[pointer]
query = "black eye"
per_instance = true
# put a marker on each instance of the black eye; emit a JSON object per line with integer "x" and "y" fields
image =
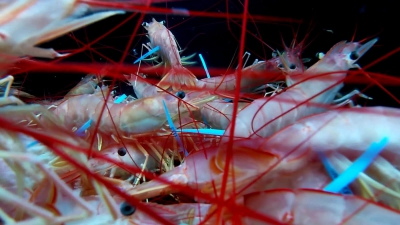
{"x": 280, "y": 66}
{"x": 292, "y": 67}
{"x": 354, "y": 55}
{"x": 180, "y": 94}
{"x": 127, "y": 209}
{"x": 121, "y": 151}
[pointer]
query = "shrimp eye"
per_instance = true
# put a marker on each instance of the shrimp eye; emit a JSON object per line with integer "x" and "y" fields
{"x": 354, "y": 55}
{"x": 280, "y": 65}
{"x": 180, "y": 94}
{"x": 121, "y": 151}
{"x": 127, "y": 209}
{"x": 292, "y": 67}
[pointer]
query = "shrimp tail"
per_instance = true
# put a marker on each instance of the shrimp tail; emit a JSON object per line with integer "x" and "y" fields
{"x": 178, "y": 78}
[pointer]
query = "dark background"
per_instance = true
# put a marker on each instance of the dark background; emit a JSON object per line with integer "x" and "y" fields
{"x": 217, "y": 40}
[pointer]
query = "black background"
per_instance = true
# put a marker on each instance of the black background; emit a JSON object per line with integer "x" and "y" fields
{"x": 217, "y": 42}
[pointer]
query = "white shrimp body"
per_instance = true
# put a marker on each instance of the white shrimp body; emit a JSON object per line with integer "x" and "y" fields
{"x": 265, "y": 116}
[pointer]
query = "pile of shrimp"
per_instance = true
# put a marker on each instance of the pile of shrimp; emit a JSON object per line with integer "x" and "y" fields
{"x": 249, "y": 147}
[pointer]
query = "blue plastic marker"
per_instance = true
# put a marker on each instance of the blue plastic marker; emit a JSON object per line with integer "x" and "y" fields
{"x": 205, "y": 131}
{"x": 332, "y": 173}
{"x": 204, "y": 65}
{"x": 357, "y": 167}
{"x": 81, "y": 130}
{"x": 4, "y": 89}
{"x": 147, "y": 54}
{"x": 120, "y": 99}
{"x": 171, "y": 124}
{"x": 32, "y": 144}
{"x": 228, "y": 100}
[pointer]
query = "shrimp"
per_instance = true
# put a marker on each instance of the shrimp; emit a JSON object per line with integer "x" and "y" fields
{"x": 263, "y": 117}
{"x": 136, "y": 117}
{"x": 87, "y": 85}
{"x": 252, "y": 76}
{"x": 343, "y": 135}
{"x": 31, "y": 176}
{"x": 260, "y": 72}
{"x": 178, "y": 77}
{"x": 308, "y": 207}
{"x": 25, "y": 24}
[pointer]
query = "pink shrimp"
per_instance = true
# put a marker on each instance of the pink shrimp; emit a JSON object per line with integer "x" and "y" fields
{"x": 257, "y": 162}
{"x": 265, "y": 116}
{"x": 25, "y": 24}
{"x": 129, "y": 154}
{"x": 178, "y": 77}
{"x": 87, "y": 85}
